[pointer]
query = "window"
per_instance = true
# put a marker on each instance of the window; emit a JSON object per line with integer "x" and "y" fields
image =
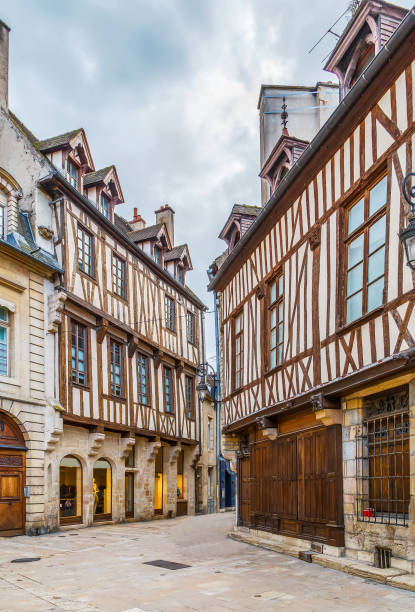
{"x": 238, "y": 349}
{"x": 142, "y": 379}
{"x": 119, "y": 285}
{"x": 85, "y": 251}
{"x": 157, "y": 255}
{"x": 190, "y": 395}
{"x": 104, "y": 205}
{"x": 79, "y": 353}
{"x": 210, "y": 482}
{"x": 102, "y": 488}
{"x": 276, "y": 322}
{"x": 116, "y": 372}
{"x": 180, "y": 275}
{"x": 169, "y": 312}
{"x": 3, "y": 215}
{"x": 365, "y": 252}
{"x": 72, "y": 173}
{"x": 191, "y": 328}
{"x": 210, "y": 433}
{"x": 4, "y": 341}
{"x": 180, "y": 474}
{"x": 383, "y": 459}
{"x": 70, "y": 490}
{"x": 168, "y": 390}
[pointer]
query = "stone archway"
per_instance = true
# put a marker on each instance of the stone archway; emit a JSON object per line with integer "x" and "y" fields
{"x": 12, "y": 478}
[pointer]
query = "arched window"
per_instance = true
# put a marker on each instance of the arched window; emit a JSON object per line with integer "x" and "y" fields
{"x": 3, "y": 214}
{"x": 70, "y": 490}
{"x": 102, "y": 489}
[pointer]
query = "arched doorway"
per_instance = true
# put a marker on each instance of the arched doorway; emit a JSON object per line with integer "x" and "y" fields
{"x": 70, "y": 490}
{"x": 102, "y": 488}
{"x": 12, "y": 478}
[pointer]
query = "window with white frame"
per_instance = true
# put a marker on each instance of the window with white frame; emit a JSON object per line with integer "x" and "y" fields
{"x": 169, "y": 312}
{"x": 3, "y": 215}
{"x": 104, "y": 207}
{"x": 4, "y": 341}
{"x": 72, "y": 173}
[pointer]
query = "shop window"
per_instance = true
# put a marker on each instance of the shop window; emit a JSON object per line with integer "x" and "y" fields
{"x": 383, "y": 459}
{"x": 365, "y": 251}
{"x": 180, "y": 475}
{"x": 129, "y": 494}
{"x": 79, "y": 336}
{"x": 70, "y": 490}
{"x": 4, "y": 341}
{"x": 158, "y": 482}
{"x": 276, "y": 322}
{"x": 85, "y": 242}
{"x": 102, "y": 489}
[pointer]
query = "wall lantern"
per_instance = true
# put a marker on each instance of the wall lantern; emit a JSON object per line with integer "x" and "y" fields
{"x": 202, "y": 389}
{"x": 407, "y": 235}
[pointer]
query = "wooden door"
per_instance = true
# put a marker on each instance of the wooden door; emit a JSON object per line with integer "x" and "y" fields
{"x": 12, "y": 478}
{"x": 244, "y": 493}
{"x": 284, "y": 477}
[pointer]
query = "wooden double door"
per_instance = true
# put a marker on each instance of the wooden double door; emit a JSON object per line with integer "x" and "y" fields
{"x": 12, "y": 478}
{"x": 293, "y": 486}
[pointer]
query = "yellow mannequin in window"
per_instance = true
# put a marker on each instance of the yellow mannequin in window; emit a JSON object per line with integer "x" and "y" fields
{"x": 96, "y": 491}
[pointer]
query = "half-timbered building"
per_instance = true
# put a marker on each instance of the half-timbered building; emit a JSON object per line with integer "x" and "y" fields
{"x": 121, "y": 355}
{"x": 317, "y": 318}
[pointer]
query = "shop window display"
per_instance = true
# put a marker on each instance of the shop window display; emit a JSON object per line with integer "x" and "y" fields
{"x": 102, "y": 489}
{"x": 158, "y": 483}
{"x": 70, "y": 490}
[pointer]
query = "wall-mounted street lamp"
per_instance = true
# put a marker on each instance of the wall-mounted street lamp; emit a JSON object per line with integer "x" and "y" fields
{"x": 407, "y": 235}
{"x": 202, "y": 388}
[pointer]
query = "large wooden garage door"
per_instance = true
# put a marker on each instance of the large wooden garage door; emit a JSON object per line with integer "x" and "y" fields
{"x": 296, "y": 486}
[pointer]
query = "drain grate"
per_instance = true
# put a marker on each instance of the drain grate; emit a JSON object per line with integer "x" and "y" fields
{"x": 25, "y": 560}
{"x": 171, "y": 565}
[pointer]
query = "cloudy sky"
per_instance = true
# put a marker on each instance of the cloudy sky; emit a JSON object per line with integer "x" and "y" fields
{"x": 166, "y": 90}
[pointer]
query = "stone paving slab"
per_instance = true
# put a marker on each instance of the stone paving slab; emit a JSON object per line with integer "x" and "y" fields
{"x": 101, "y": 570}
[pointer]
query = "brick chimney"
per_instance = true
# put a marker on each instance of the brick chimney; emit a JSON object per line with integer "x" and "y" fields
{"x": 165, "y": 215}
{"x": 137, "y": 222}
{"x": 4, "y": 65}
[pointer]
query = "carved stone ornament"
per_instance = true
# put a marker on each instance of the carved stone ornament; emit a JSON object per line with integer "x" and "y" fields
{"x": 46, "y": 232}
{"x": 126, "y": 444}
{"x": 96, "y": 440}
{"x": 56, "y": 303}
{"x": 260, "y": 291}
{"x": 393, "y": 400}
{"x": 319, "y": 402}
{"x": 314, "y": 238}
{"x": 153, "y": 449}
{"x": 174, "y": 454}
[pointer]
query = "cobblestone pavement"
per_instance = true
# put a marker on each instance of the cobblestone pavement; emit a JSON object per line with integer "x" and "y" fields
{"x": 102, "y": 569}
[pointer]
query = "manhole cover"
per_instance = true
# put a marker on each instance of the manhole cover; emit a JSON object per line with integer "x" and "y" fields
{"x": 25, "y": 560}
{"x": 171, "y": 565}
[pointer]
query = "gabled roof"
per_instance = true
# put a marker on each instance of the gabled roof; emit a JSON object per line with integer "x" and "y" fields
{"x": 179, "y": 252}
{"x": 147, "y": 233}
{"x": 240, "y": 211}
{"x": 283, "y": 141}
{"x": 105, "y": 175}
{"x": 57, "y": 141}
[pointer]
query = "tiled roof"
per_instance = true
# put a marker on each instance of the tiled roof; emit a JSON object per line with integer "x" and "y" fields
{"x": 92, "y": 178}
{"x": 57, "y": 141}
{"x": 147, "y": 233}
{"x": 24, "y": 241}
{"x": 175, "y": 253}
{"x": 122, "y": 224}
{"x": 245, "y": 209}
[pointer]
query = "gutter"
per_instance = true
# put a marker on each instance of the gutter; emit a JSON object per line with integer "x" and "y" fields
{"x": 55, "y": 174}
{"x": 379, "y": 61}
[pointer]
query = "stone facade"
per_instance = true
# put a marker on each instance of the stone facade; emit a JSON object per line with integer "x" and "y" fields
{"x": 206, "y": 473}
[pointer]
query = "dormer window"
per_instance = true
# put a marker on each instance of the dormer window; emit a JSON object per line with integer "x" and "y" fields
{"x": 104, "y": 205}
{"x": 72, "y": 173}
{"x": 157, "y": 253}
{"x": 180, "y": 275}
{"x": 363, "y": 63}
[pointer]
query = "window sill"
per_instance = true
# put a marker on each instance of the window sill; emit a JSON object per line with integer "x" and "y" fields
{"x": 119, "y": 297}
{"x": 80, "y": 386}
{"x": 87, "y": 276}
{"x": 343, "y": 329}
{"x": 10, "y": 380}
{"x": 274, "y": 370}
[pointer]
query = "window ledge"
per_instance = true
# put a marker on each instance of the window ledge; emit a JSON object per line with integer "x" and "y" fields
{"x": 88, "y": 276}
{"x": 10, "y": 380}
{"x": 274, "y": 370}
{"x": 343, "y": 329}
